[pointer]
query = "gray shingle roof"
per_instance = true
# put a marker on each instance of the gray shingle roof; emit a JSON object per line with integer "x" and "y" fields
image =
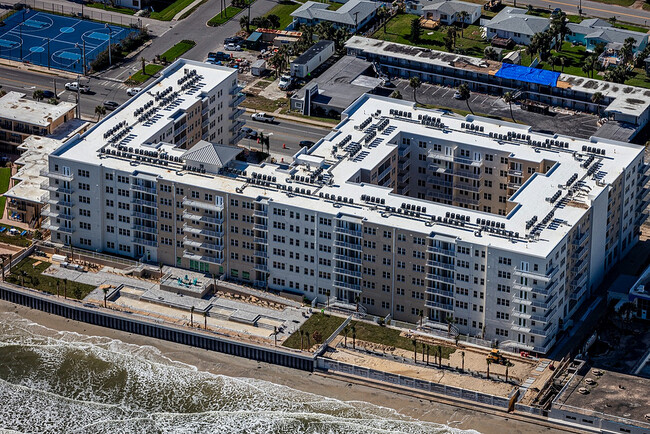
{"x": 451, "y": 7}
{"x": 312, "y": 52}
{"x": 344, "y": 15}
{"x": 515, "y": 20}
{"x": 600, "y": 29}
{"x": 211, "y": 153}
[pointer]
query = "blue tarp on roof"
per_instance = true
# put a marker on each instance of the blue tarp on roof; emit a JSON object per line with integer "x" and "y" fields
{"x": 527, "y": 74}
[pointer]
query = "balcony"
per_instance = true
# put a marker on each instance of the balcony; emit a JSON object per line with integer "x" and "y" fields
{"x": 143, "y": 202}
{"x": 403, "y": 150}
{"x": 259, "y": 240}
{"x": 145, "y": 216}
{"x": 52, "y": 226}
{"x": 465, "y": 199}
{"x": 441, "y": 251}
{"x": 579, "y": 241}
{"x": 202, "y": 218}
{"x": 237, "y": 100}
{"x": 343, "y": 244}
{"x": 145, "y": 242}
{"x": 202, "y": 245}
{"x": 147, "y": 229}
{"x": 436, "y": 305}
{"x": 348, "y": 286}
{"x": 349, "y": 259}
{"x": 138, "y": 187}
{"x": 202, "y": 258}
{"x": 580, "y": 253}
{"x": 517, "y": 314}
{"x": 45, "y": 185}
{"x": 201, "y": 231}
{"x": 261, "y": 254}
{"x": 439, "y": 291}
{"x": 437, "y": 278}
{"x": 438, "y": 264}
{"x": 260, "y": 227}
{"x": 352, "y": 232}
{"x": 237, "y": 126}
{"x": 347, "y": 272}
{"x": 518, "y": 328}
{"x": 60, "y": 202}
{"x": 537, "y": 275}
{"x": 513, "y": 172}
{"x": 579, "y": 281}
{"x": 579, "y": 267}
{"x": 202, "y": 205}
{"x": 56, "y": 175}
{"x": 461, "y": 186}
{"x": 261, "y": 267}
{"x": 56, "y": 214}
{"x": 467, "y": 174}
{"x": 235, "y": 139}
{"x": 260, "y": 213}
{"x": 236, "y": 89}
{"x": 236, "y": 113}
{"x": 514, "y": 185}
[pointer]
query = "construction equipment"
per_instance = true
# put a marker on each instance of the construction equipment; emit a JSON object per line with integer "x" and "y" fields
{"x": 495, "y": 356}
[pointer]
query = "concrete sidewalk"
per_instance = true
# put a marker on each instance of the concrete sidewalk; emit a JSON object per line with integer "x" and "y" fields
{"x": 298, "y": 119}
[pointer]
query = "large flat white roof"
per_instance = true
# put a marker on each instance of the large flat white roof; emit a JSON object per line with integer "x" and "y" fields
{"x": 15, "y": 106}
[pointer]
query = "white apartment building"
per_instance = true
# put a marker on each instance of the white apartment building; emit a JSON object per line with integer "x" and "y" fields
{"x": 413, "y": 213}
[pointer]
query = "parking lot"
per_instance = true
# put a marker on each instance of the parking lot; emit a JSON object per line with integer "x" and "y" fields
{"x": 560, "y": 121}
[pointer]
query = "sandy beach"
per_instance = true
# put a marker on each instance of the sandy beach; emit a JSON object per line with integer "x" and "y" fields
{"x": 217, "y": 363}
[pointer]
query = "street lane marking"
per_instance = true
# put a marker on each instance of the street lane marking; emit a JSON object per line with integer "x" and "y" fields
{"x": 599, "y": 10}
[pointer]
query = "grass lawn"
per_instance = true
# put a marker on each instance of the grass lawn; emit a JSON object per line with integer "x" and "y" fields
{"x": 149, "y": 69}
{"x": 170, "y": 11}
{"x": 638, "y": 78}
{"x": 398, "y": 30}
{"x": 35, "y": 280}
{"x": 325, "y": 324}
{"x": 624, "y": 3}
{"x": 188, "y": 13}
{"x": 218, "y": 20}
{"x": 264, "y": 104}
{"x": 283, "y": 10}
{"x": 388, "y": 336}
{"x": 102, "y": 6}
{"x": 178, "y": 50}
{"x": 15, "y": 240}
{"x": 5, "y": 176}
{"x": 572, "y": 65}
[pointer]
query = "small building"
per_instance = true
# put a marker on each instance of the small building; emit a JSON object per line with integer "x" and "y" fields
{"x": 352, "y": 16}
{"x": 21, "y": 117}
{"x": 311, "y": 59}
{"x": 276, "y": 37}
{"x": 446, "y": 11}
{"x": 335, "y": 89}
{"x": 593, "y": 32}
{"x": 258, "y": 68}
{"x": 515, "y": 24}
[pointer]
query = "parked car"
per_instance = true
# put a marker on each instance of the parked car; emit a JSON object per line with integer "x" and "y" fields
{"x": 458, "y": 95}
{"x": 110, "y": 105}
{"x": 262, "y": 117}
{"x": 75, "y": 86}
{"x": 47, "y": 94}
{"x": 232, "y": 47}
{"x": 233, "y": 40}
{"x": 307, "y": 143}
{"x": 133, "y": 90}
{"x": 219, "y": 55}
{"x": 388, "y": 84}
{"x": 249, "y": 133}
{"x": 285, "y": 82}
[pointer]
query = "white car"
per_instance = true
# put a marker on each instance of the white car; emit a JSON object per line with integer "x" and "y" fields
{"x": 133, "y": 90}
{"x": 75, "y": 86}
{"x": 232, "y": 47}
{"x": 262, "y": 117}
{"x": 285, "y": 82}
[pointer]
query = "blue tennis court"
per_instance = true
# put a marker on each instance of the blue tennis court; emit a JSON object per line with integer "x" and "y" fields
{"x": 56, "y": 41}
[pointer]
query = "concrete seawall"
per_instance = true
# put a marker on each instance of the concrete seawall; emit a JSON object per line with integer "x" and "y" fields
{"x": 141, "y": 326}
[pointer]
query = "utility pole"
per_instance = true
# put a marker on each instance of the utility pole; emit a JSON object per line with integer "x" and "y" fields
{"x": 110, "y": 62}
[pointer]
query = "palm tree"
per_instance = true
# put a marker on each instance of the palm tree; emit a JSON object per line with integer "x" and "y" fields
{"x": 100, "y": 111}
{"x": 142, "y": 59}
{"x": 415, "y": 82}
{"x": 302, "y": 335}
{"x": 462, "y": 15}
{"x": 421, "y": 317}
{"x": 531, "y": 49}
{"x": 627, "y": 49}
{"x": 552, "y": 60}
{"x": 65, "y": 289}
{"x": 509, "y": 98}
{"x": 205, "y": 319}
{"x": 192, "y": 316}
{"x": 464, "y": 92}
{"x": 490, "y": 53}
{"x": 244, "y": 23}
{"x": 462, "y": 357}
{"x": 105, "y": 289}
{"x": 559, "y": 27}
{"x": 588, "y": 65}
{"x": 346, "y": 330}
{"x": 38, "y": 95}
{"x": 507, "y": 366}
{"x": 354, "y": 338}
{"x": 428, "y": 347}
{"x": 382, "y": 16}
{"x": 416, "y": 28}
{"x": 415, "y": 350}
{"x": 328, "y": 297}
{"x": 597, "y": 98}
{"x": 562, "y": 60}
{"x": 439, "y": 355}
{"x": 452, "y": 34}
{"x": 450, "y": 321}
{"x": 488, "y": 361}
{"x": 57, "y": 285}
{"x": 356, "y": 301}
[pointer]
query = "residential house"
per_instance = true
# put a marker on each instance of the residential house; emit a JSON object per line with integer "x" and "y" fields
{"x": 446, "y": 11}
{"x": 311, "y": 59}
{"x": 595, "y": 31}
{"x": 352, "y": 16}
{"x": 515, "y": 24}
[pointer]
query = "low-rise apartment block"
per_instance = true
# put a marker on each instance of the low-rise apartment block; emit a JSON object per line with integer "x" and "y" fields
{"x": 414, "y": 214}
{"x": 21, "y": 117}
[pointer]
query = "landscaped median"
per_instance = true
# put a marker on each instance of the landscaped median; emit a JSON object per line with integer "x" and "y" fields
{"x": 141, "y": 76}
{"x": 177, "y": 50}
{"x": 168, "y": 56}
{"x": 168, "y": 13}
{"x": 224, "y": 17}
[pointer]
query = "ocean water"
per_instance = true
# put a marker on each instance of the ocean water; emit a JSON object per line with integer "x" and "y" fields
{"x": 63, "y": 382}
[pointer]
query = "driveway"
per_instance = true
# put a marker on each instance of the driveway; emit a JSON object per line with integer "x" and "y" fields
{"x": 559, "y": 121}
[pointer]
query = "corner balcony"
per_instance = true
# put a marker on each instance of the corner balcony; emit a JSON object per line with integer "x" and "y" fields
{"x": 56, "y": 175}
{"x": 537, "y": 275}
{"x": 52, "y": 226}
{"x": 237, "y": 100}
{"x": 45, "y": 185}
{"x": 235, "y": 139}
{"x": 236, "y": 113}
{"x": 60, "y": 202}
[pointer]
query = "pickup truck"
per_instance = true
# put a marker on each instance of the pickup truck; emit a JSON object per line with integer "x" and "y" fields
{"x": 74, "y": 86}
{"x": 262, "y": 117}
{"x": 285, "y": 82}
{"x": 218, "y": 56}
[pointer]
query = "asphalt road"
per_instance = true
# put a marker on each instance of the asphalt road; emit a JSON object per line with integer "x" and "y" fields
{"x": 283, "y": 132}
{"x": 590, "y": 8}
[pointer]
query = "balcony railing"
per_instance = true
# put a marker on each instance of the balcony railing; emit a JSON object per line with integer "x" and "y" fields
{"x": 235, "y": 139}
{"x": 438, "y": 264}
{"x": 144, "y": 241}
{"x": 147, "y": 229}
{"x": 49, "y": 224}
{"x": 260, "y": 240}
{"x": 202, "y": 258}
{"x": 261, "y": 254}
{"x": 56, "y": 175}
{"x": 202, "y": 205}
{"x": 439, "y": 291}
{"x": 353, "y": 232}
{"x": 60, "y": 202}
{"x": 446, "y": 252}
{"x": 145, "y": 216}
{"x": 467, "y": 174}
{"x": 202, "y": 245}
{"x": 347, "y": 272}
{"x": 143, "y": 202}
{"x": 536, "y": 275}
{"x": 339, "y": 243}
{"x": 261, "y": 267}
{"x": 260, "y": 227}
{"x": 438, "y": 278}
{"x": 346, "y": 285}
{"x": 201, "y": 231}
{"x": 443, "y": 306}
{"x": 138, "y": 187}
{"x": 56, "y": 214}
{"x": 581, "y": 239}
{"x": 260, "y": 213}
{"x": 45, "y": 185}
{"x": 237, "y": 126}
{"x": 236, "y": 113}
{"x": 237, "y": 100}
{"x": 202, "y": 218}
{"x": 346, "y": 258}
